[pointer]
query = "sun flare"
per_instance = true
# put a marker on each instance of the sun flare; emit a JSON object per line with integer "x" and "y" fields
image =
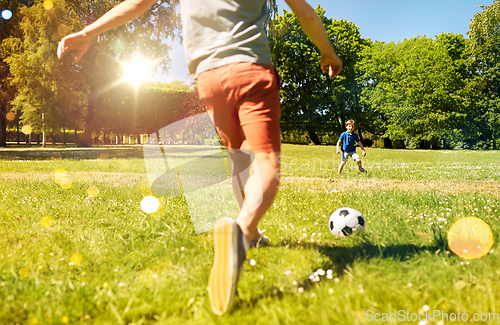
{"x": 137, "y": 71}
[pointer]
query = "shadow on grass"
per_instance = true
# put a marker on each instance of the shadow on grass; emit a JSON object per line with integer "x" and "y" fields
{"x": 342, "y": 258}
{"x": 96, "y": 152}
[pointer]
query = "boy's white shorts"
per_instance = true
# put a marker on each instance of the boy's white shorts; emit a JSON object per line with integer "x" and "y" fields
{"x": 353, "y": 154}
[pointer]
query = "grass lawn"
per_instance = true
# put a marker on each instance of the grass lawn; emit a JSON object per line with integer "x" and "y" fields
{"x": 83, "y": 252}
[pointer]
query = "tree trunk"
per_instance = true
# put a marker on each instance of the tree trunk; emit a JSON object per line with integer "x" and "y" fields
{"x": 44, "y": 141}
{"x": 3, "y": 126}
{"x": 90, "y": 121}
{"x": 314, "y": 137}
{"x": 18, "y": 139}
{"x": 387, "y": 143}
{"x": 424, "y": 144}
{"x": 360, "y": 134}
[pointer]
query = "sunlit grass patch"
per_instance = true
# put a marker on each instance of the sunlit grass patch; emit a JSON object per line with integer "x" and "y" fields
{"x": 81, "y": 255}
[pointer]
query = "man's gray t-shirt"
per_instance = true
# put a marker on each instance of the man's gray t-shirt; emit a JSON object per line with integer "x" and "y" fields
{"x": 220, "y": 32}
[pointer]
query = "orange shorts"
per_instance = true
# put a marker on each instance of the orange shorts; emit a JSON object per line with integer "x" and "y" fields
{"x": 243, "y": 101}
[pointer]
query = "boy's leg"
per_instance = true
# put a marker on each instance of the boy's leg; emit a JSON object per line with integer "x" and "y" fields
{"x": 342, "y": 164}
{"x": 360, "y": 165}
{"x": 357, "y": 159}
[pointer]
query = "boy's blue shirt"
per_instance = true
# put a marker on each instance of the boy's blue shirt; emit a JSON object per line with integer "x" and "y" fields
{"x": 348, "y": 141}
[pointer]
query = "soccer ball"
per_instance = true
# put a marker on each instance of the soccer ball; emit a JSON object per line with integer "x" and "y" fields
{"x": 345, "y": 222}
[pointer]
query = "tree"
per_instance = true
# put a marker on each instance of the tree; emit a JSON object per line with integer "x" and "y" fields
{"x": 416, "y": 86}
{"x": 8, "y": 28}
{"x": 34, "y": 68}
{"x": 100, "y": 68}
{"x": 311, "y": 102}
{"x": 484, "y": 47}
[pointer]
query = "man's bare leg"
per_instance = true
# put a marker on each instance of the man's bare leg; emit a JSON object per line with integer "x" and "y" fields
{"x": 240, "y": 172}
{"x": 260, "y": 189}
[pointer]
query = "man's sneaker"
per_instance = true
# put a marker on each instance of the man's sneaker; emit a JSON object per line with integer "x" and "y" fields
{"x": 263, "y": 241}
{"x": 230, "y": 247}
{"x": 362, "y": 170}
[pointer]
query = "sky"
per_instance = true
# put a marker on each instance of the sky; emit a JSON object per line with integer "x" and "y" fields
{"x": 379, "y": 20}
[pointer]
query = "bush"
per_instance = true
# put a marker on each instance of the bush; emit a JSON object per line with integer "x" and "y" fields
{"x": 213, "y": 142}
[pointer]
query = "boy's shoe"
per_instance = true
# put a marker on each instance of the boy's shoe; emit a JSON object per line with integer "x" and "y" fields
{"x": 229, "y": 246}
{"x": 263, "y": 241}
{"x": 362, "y": 170}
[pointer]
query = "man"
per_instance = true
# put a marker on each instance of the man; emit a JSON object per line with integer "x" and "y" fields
{"x": 227, "y": 51}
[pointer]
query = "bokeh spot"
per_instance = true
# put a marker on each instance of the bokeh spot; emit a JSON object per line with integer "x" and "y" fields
{"x": 10, "y": 116}
{"x": 26, "y": 129}
{"x": 93, "y": 191}
{"x": 470, "y": 238}
{"x": 48, "y": 5}
{"x": 62, "y": 29}
{"x": 46, "y": 222}
{"x": 150, "y": 204}
{"x": 6, "y": 14}
{"x": 62, "y": 179}
{"x": 76, "y": 258}
{"x": 24, "y": 273}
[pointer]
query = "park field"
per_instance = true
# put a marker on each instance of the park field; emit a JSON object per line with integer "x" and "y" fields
{"x": 76, "y": 248}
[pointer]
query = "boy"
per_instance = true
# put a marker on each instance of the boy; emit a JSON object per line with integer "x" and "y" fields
{"x": 348, "y": 139}
{"x": 228, "y": 52}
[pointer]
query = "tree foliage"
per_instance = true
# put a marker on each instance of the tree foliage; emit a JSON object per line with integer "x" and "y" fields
{"x": 416, "y": 86}
{"x": 8, "y": 28}
{"x": 427, "y": 92}
{"x": 484, "y": 60}
{"x": 49, "y": 88}
{"x": 311, "y": 102}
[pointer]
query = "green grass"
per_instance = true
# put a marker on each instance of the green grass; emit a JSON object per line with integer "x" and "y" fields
{"x": 153, "y": 269}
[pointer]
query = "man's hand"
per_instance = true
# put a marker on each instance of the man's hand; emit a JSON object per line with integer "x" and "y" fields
{"x": 363, "y": 152}
{"x": 332, "y": 63}
{"x": 338, "y": 151}
{"x": 78, "y": 41}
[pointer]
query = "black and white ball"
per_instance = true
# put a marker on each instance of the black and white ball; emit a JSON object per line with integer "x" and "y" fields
{"x": 345, "y": 222}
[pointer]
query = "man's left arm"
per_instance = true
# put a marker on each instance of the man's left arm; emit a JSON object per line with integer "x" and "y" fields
{"x": 117, "y": 16}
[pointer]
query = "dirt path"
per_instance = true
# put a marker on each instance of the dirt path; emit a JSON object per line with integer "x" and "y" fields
{"x": 336, "y": 184}
{"x": 445, "y": 186}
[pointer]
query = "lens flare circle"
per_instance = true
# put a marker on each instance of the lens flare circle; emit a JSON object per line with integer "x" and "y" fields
{"x": 26, "y": 129}
{"x": 10, "y": 116}
{"x": 150, "y": 204}
{"x": 48, "y": 4}
{"x": 470, "y": 238}
{"x": 76, "y": 258}
{"x": 6, "y": 14}
{"x": 24, "y": 273}
{"x": 46, "y": 222}
{"x": 62, "y": 179}
{"x": 93, "y": 191}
